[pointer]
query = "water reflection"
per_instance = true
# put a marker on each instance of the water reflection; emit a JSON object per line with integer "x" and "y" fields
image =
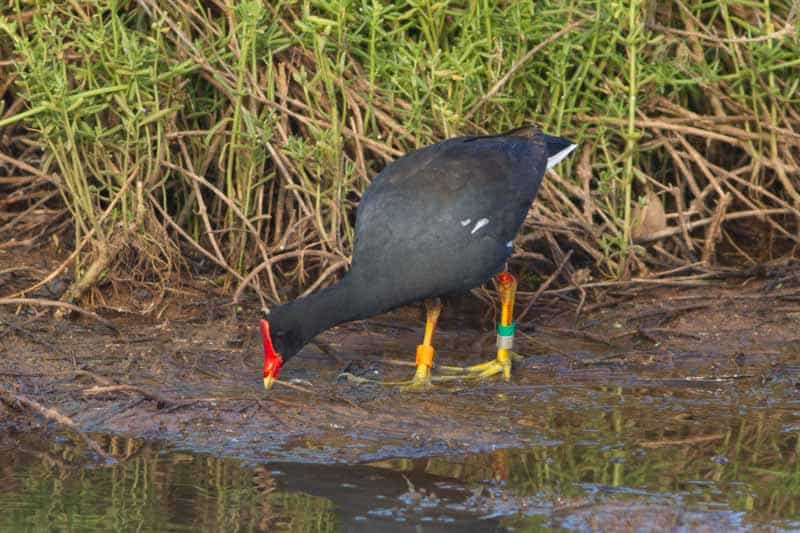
{"x": 46, "y": 485}
{"x": 724, "y": 454}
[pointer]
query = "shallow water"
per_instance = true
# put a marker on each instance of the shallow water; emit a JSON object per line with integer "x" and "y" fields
{"x": 713, "y": 455}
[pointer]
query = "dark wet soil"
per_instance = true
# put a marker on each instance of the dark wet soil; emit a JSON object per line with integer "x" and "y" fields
{"x": 669, "y": 408}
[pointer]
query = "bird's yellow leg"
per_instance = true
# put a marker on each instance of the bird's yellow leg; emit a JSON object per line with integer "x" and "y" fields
{"x": 505, "y": 335}
{"x": 425, "y": 353}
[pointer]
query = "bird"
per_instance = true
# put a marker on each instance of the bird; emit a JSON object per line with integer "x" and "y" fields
{"x": 439, "y": 220}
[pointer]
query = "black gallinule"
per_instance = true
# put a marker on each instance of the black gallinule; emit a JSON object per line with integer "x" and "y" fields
{"x": 439, "y": 220}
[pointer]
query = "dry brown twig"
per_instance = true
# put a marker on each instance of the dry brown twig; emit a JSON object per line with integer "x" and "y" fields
{"x": 294, "y": 254}
{"x": 202, "y": 209}
{"x": 107, "y": 389}
{"x": 543, "y": 287}
{"x": 705, "y": 221}
{"x": 55, "y": 416}
{"x": 64, "y": 264}
{"x": 714, "y": 230}
{"x": 171, "y": 222}
{"x": 238, "y": 212}
{"x": 60, "y": 305}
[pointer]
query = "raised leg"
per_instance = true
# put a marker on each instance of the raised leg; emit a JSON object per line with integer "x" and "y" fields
{"x": 505, "y": 336}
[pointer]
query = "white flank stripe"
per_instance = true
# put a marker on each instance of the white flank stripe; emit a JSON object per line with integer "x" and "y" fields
{"x": 479, "y": 224}
{"x": 556, "y": 159}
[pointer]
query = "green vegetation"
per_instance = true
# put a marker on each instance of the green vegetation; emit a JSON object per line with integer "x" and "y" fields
{"x": 244, "y": 135}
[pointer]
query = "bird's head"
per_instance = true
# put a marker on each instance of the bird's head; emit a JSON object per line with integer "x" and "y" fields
{"x": 279, "y": 345}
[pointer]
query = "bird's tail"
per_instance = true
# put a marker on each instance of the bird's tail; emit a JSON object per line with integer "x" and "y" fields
{"x": 557, "y": 148}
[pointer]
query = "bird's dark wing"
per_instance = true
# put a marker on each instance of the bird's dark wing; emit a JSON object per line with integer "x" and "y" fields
{"x": 441, "y": 219}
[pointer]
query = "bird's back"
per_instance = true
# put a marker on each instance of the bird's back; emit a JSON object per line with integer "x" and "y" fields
{"x": 441, "y": 219}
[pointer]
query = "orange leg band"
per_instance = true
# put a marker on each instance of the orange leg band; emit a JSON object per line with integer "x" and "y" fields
{"x": 425, "y": 353}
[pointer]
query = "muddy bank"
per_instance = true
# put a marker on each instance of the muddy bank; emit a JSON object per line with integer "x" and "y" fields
{"x": 197, "y": 380}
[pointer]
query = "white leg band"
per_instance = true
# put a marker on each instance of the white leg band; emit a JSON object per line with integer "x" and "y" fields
{"x": 505, "y": 342}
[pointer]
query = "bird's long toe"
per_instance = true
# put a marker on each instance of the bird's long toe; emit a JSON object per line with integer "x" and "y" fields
{"x": 352, "y": 378}
{"x": 420, "y": 381}
{"x": 418, "y": 384}
{"x": 499, "y": 365}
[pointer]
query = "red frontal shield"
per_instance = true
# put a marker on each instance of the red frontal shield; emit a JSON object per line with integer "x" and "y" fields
{"x": 272, "y": 360}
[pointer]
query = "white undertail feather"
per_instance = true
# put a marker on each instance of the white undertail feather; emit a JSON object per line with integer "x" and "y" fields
{"x": 466, "y": 221}
{"x": 556, "y": 159}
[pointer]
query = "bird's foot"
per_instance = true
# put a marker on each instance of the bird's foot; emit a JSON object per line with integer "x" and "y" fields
{"x": 349, "y": 376}
{"x": 360, "y": 380}
{"x": 418, "y": 384}
{"x": 412, "y": 385}
{"x": 500, "y": 365}
{"x": 422, "y": 380}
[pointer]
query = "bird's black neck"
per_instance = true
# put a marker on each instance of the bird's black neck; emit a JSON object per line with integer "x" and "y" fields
{"x": 306, "y": 317}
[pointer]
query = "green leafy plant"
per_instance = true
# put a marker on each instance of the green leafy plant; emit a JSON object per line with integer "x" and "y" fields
{"x": 246, "y": 133}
